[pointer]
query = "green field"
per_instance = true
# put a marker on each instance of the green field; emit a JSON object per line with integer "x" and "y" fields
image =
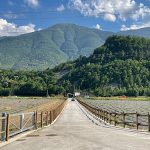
{"x": 139, "y": 98}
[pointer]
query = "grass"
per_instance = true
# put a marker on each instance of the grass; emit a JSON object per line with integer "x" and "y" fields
{"x": 139, "y": 98}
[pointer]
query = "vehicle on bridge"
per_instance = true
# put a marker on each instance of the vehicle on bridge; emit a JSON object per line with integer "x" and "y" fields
{"x": 73, "y": 99}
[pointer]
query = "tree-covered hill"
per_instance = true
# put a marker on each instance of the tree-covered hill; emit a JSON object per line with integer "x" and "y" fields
{"x": 120, "y": 67}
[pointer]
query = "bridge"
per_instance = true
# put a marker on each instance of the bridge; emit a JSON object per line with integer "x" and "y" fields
{"x": 73, "y": 130}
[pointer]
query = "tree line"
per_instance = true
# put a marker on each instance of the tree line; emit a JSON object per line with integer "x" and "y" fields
{"x": 120, "y": 67}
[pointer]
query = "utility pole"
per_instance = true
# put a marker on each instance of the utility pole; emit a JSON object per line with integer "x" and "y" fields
{"x": 47, "y": 95}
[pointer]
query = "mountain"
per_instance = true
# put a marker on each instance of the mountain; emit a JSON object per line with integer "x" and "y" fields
{"x": 49, "y": 47}
{"x": 143, "y": 32}
{"x": 57, "y": 44}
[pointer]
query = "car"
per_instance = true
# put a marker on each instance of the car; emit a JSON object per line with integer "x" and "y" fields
{"x": 73, "y": 99}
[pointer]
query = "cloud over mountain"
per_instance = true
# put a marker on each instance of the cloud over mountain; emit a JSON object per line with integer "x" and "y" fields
{"x": 135, "y": 26}
{"x": 11, "y": 29}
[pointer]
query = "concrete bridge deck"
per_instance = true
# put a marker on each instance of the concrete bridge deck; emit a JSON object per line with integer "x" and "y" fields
{"x": 74, "y": 131}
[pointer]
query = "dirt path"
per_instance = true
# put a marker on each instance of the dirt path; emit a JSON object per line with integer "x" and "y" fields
{"x": 74, "y": 131}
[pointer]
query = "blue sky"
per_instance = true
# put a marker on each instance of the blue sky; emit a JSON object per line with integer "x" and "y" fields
{"x": 23, "y": 16}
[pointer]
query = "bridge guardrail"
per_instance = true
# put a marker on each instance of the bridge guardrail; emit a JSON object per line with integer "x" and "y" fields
{"x": 121, "y": 119}
{"x": 13, "y": 124}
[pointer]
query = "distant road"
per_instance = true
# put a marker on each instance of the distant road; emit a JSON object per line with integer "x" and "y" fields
{"x": 74, "y": 131}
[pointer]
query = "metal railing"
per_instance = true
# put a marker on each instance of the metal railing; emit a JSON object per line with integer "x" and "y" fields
{"x": 13, "y": 124}
{"x": 130, "y": 120}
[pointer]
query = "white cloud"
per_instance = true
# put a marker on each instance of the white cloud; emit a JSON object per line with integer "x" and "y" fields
{"x": 32, "y": 3}
{"x": 11, "y": 29}
{"x": 61, "y": 8}
{"x": 98, "y": 27}
{"x": 111, "y": 9}
{"x": 110, "y": 17}
{"x": 135, "y": 26}
{"x": 142, "y": 12}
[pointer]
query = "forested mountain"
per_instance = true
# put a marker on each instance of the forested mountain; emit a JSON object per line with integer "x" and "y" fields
{"x": 49, "y": 47}
{"x": 54, "y": 45}
{"x": 121, "y": 66}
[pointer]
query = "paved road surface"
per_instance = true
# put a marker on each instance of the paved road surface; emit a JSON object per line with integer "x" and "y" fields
{"x": 74, "y": 131}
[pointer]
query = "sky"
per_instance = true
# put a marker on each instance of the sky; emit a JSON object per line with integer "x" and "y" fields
{"x": 24, "y": 16}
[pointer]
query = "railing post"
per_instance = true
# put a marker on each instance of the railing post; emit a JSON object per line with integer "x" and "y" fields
{"x": 50, "y": 117}
{"x": 21, "y": 121}
{"x": 110, "y": 117}
{"x": 36, "y": 120}
{"x": 54, "y": 114}
{"x": 33, "y": 119}
{"x": 47, "y": 118}
{"x": 41, "y": 119}
{"x": 137, "y": 121}
{"x": 104, "y": 115}
{"x": 7, "y": 127}
{"x": 107, "y": 116}
{"x": 124, "y": 119}
{"x": 101, "y": 114}
{"x": 3, "y": 126}
{"x": 98, "y": 113}
{"x": 115, "y": 119}
{"x": 148, "y": 122}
